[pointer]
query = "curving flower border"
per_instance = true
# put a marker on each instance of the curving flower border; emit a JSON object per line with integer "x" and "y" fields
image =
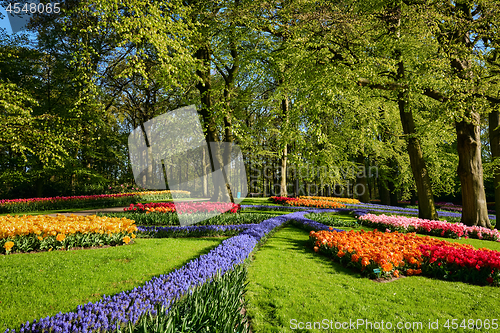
{"x": 431, "y": 227}
{"x": 129, "y": 306}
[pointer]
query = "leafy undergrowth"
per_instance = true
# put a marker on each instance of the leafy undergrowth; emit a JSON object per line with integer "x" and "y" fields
{"x": 290, "y": 284}
{"x": 36, "y": 285}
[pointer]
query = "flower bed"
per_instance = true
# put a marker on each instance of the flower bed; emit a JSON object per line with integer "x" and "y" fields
{"x": 126, "y": 308}
{"x": 431, "y": 227}
{"x": 42, "y": 232}
{"x": 81, "y": 201}
{"x": 282, "y": 200}
{"x": 335, "y": 199}
{"x": 316, "y": 203}
{"x": 389, "y": 254}
{"x": 184, "y": 207}
{"x": 298, "y": 202}
{"x": 194, "y": 231}
{"x": 405, "y": 210}
{"x": 159, "y": 219}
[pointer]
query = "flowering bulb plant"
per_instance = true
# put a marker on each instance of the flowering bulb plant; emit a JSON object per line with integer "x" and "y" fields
{"x": 302, "y": 202}
{"x": 42, "y": 232}
{"x": 186, "y": 207}
{"x": 390, "y": 254}
{"x": 431, "y": 227}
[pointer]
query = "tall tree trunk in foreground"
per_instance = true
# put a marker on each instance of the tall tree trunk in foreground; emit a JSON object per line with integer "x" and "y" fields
{"x": 470, "y": 172}
{"x": 470, "y": 167}
{"x": 426, "y": 208}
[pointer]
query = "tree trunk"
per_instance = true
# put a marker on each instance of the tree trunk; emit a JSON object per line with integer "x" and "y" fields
{"x": 204, "y": 87}
{"x": 385, "y": 197}
{"x": 413, "y": 198}
{"x": 494, "y": 123}
{"x": 284, "y": 192}
{"x": 426, "y": 208}
{"x": 470, "y": 172}
{"x": 362, "y": 183}
{"x": 39, "y": 188}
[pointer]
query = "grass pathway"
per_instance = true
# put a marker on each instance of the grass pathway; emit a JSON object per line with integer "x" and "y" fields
{"x": 289, "y": 283}
{"x": 37, "y": 285}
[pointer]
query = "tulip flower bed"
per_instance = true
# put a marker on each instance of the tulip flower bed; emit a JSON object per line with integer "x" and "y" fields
{"x": 41, "y": 232}
{"x": 184, "y": 207}
{"x": 124, "y": 310}
{"x": 378, "y": 254}
{"x": 162, "y": 219}
{"x": 298, "y": 202}
{"x": 82, "y": 201}
{"x": 430, "y": 227}
{"x": 282, "y": 200}
{"x": 193, "y": 231}
{"x": 316, "y": 203}
{"x": 375, "y": 208}
{"x": 335, "y": 199}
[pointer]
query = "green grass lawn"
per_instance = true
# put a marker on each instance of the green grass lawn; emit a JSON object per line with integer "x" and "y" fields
{"x": 36, "y": 285}
{"x": 258, "y": 201}
{"x": 289, "y": 283}
{"x": 267, "y": 212}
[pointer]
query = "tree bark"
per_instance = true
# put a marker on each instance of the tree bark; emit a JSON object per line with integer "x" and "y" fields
{"x": 426, "y": 208}
{"x": 470, "y": 167}
{"x": 362, "y": 181}
{"x": 494, "y": 131}
{"x": 285, "y": 108}
{"x": 204, "y": 87}
{"x": 470, "y": 172}
{"x": 385, "y": 198}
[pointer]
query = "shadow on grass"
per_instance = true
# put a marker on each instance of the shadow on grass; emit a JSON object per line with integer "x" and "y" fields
{"x": 27, "y": 268}
{"x": 303, "y": 247}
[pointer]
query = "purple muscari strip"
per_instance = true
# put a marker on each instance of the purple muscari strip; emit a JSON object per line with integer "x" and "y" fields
{"x": 413, "y": 211}
{"x": 273, "y": 207}
{"x": 201, "y": 228}
{"x": 373, "y": 207}
{"x": 299, "y": 217}
{"x": 128, "y": 306}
